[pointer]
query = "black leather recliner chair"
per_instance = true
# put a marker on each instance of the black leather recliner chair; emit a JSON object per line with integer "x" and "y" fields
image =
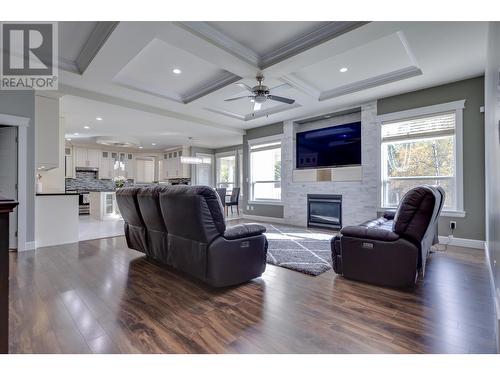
{"x": 391, "y": 250}
{"x": 135, "y": 229}
{"x": 197, "y": 240}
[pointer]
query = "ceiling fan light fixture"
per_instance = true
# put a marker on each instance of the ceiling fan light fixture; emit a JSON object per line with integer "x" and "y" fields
{"x": 260, "y": 99}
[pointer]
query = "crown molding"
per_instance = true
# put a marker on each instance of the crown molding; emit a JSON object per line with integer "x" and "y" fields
{"x": 222, "y": 80}
{"x": 94, "y": 43}
{"x": 379, "y": 80}
{"x": 221, "y": 40}
{"x": 323, "y": 33}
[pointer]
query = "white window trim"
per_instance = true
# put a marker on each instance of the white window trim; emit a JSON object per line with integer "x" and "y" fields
{"x": 256, "y": 142}
{"x": 456, "y": 106}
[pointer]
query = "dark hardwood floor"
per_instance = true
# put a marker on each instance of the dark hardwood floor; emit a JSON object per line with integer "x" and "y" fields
{"x": 100, "y": 297}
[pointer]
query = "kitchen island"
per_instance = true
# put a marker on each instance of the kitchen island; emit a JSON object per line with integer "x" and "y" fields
{"x": 56, "y": 218}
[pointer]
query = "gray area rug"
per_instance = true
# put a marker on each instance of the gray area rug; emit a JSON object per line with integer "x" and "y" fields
{"x": 299, "y": 249}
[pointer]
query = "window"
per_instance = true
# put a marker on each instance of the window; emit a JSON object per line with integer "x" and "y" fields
{"x": 422, "y": 150}
{"x": 226, "y": 171}
{"x": 265, "y": 171}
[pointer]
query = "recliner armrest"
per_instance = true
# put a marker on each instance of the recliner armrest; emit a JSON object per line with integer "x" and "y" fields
{"x": 369, "y": 233}
{"x": 243, "y": 230}
{"x": 389, "y": 214}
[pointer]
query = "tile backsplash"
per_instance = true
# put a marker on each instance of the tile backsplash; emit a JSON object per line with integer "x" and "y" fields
{"x": 88, "y": 181}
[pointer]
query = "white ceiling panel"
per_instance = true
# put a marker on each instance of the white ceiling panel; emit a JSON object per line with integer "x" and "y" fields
{"x": 152, "y": 71}
{"x": 365, "y": 62}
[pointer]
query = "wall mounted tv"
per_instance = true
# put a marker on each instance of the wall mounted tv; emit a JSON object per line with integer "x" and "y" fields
{"x": 335, "y": 146}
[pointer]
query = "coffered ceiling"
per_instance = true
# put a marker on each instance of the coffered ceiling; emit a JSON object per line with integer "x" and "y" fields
{"x": 128, "y": 67}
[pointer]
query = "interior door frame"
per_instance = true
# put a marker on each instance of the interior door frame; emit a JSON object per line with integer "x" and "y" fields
{"x": 22, "y": 124}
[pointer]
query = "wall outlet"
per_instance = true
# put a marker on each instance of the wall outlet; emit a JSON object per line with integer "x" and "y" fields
{"x": 453, "y": 225}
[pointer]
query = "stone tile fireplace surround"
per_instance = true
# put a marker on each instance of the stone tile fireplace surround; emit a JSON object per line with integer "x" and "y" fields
{"x": 359, "y": 198}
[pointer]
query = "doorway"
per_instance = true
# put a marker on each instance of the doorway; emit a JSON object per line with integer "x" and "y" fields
{"x": 204, "y": 171}
{"x": 8, "y": 175}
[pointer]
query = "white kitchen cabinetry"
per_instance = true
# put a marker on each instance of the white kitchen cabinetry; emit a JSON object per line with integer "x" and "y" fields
{"x": 93, "y": 158}
{"x": 130, "y": 166}
{"x": 105, "y": 165}
{"x": 86, "y": 157}
{"x": 69, "y": 167}
{"x": 171, "y": 166}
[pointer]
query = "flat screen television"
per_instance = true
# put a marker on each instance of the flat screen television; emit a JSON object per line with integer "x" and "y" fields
{"x": 335, "y": 146}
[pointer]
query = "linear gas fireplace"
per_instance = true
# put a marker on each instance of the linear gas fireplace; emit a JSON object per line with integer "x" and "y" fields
{"x": 324, "y": 211}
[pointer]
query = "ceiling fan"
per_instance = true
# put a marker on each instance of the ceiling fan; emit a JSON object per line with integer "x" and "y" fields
{"x": 260, "y": 94}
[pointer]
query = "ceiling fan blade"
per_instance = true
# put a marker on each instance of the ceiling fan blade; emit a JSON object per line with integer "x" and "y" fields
{"x": 244, "y": 86}
{"x": 237, "y": 98}
{"x": 281, "y": 99}
{"x": 257, "y": 106}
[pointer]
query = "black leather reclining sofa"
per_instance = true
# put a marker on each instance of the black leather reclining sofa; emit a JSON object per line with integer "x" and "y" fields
{"x": 391, "y": 250}
{"x": 184, "y": 227}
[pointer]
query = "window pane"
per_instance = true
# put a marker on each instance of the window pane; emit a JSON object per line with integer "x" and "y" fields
{"x": 265, "y": 169}
{"x": 419, "y": 151}
{"x": 267, "y": 191}
{"x": 430, "y": 157}
{"x": 394, "y": 190}
{"x": 420, "y": 126}
{"x": 226, "y": 171}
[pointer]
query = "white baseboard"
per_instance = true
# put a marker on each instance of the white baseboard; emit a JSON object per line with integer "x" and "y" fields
{"x": 27, "y": 246}
{"x": 264, "y": 218}
{"x": 463, "y": 242}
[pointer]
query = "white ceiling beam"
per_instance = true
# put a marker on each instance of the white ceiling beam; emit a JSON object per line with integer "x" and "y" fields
{"x": 69, "y": 90}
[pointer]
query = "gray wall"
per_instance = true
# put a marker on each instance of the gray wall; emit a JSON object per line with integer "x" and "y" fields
{"x": 472, "y": 226}
{"x": 259, "y": 209}
{"x": 22, "y": 103}
{"x": 492, "y": 156}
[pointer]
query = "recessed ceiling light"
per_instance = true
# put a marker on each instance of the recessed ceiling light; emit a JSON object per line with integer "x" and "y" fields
{"x": 86, "y": 127}
{"x": 68, "y": 139}
{"x": 153, "y": 144}
{"x": 176, "y": 71}
{"x": 75, "y": 133}
{"x": 98, "y": 118}
{"x": 140, "y": 147}
{"x": 343, "y": 70}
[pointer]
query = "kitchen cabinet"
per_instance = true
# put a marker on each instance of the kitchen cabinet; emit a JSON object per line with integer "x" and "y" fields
{"x": 86, "y": 157}
{"x": 130, "y": 165}
{"x": 69, "y": 167}
{"x": 106, "y": 165}
{"x": 172, "y": 167}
